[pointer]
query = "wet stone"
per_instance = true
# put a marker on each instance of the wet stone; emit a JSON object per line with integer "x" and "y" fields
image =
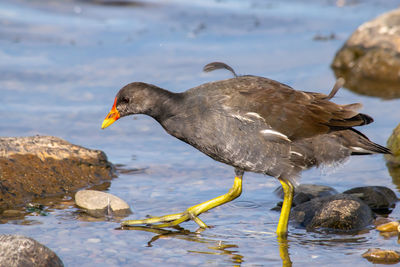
{"x": 394, "y": 144}
{"x": 306, "y": 192}
{"x": 17, "y": 250}
{"x": 42, "y": 166}
{"x": 369, "y": 61}
{"x": 340, "y": 212}
{"x": 379, "y": 198}
{"x": 376, "y": 255}
{"x": 388, "y": 227}
{"x": 379, "y": 220}
{"x": 99, "y": 204}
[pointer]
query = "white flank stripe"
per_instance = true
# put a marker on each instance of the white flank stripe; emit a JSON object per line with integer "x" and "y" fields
{"x": 241, "y": 118}
{"x": 272, "y": 132}
{"x": 296, "y": 153}
{"x": 256, "y": 115}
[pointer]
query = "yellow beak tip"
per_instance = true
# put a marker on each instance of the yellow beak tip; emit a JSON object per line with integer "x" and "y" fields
{"x": 106, "y": 123}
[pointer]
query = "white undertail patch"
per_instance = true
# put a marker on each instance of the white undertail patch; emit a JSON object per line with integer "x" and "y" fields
{"x": 359, "y": 149}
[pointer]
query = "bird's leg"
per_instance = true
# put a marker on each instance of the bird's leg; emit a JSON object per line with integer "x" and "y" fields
{"x": 192, "y": 212}
{"x": 288, "y": 190}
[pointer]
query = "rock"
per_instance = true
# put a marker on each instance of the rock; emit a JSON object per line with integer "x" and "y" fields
{"x": 17, "y": 250}
{"x": 369, "y": 61}
{"x": 41, "y": 166}
{"x": 99, "y": 204}
{"x": 379, "y": 198}
{"x": 393, "y": 144}
{"x": 340, "y": 212}
{"x": 376, "y": 255}
{"x": 388, "y": 227}
{"x": 306, "y": 192}
{"x": 381, "y": 220}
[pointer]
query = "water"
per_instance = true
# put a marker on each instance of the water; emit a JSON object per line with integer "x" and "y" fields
{"x": 61, "y": 64}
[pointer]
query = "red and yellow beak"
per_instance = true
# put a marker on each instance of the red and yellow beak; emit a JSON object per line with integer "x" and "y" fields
{"x": 112, "y": 116}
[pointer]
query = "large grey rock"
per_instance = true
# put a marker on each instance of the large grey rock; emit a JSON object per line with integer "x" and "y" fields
{"x": 339, "y": 212}
{"x": 21, "y": 251}
{"x": 379, "y": 198}
{"x": 99, "y": 203}
{"x": 40, "y": 166}
{"x": 370, "y": 59}
{"x": 306, "y": 192}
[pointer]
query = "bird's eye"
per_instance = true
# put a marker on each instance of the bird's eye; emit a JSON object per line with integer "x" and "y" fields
{"x": 124, "y": 100}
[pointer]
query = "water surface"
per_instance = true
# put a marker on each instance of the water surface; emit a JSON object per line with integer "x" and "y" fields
{"x": 62, "y": 62}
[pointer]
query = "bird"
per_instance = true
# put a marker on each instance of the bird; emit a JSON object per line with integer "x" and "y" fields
{"x": 253, "y": 124}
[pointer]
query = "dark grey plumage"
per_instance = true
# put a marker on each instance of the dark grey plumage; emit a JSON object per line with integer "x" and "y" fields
{"x": 254, "y": 123}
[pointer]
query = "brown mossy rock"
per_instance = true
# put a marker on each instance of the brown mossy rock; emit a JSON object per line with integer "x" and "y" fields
{"x": 393, "y": 160}
{"x": 369, "y": 61}
{"x": 339, "y": 213}
{"x": 40, "y": 166}
{"x": 376, "y": 255}
{"x": 17, "y": 250}
{"x": 393, "y": 144}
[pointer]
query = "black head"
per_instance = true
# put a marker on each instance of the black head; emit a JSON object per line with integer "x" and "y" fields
{"x": 134, "y": 98}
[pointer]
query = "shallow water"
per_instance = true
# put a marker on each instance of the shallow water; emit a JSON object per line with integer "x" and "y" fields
{"x": 62, "y": 62}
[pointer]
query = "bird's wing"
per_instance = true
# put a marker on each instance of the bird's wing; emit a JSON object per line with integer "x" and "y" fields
{"x": 294, "y": 114}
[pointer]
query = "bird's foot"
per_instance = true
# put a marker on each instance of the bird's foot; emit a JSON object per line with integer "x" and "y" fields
{"x": 169, "y": 220}
{"x": 193, "y": 212}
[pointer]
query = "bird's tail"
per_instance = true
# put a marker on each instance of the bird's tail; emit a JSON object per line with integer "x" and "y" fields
{"x": 359, "y": 144}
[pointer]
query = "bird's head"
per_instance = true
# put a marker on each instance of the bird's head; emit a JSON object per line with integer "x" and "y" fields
{"x": 134, "y": 98}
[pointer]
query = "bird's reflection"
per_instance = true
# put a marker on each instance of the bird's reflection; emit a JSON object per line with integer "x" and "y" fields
{"x": 215, "y": 247}
{"x": 284, "y": 251}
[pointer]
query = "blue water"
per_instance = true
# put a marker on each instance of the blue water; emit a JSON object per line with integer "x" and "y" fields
{"x": 62, "y": 62}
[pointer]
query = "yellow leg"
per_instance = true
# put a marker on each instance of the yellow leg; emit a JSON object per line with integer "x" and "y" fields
{"x": 192, "y": 212}
{"x": 285, "y": 211}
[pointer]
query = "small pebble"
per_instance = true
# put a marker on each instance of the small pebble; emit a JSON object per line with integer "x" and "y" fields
{"x": 388, "y": 227}
{"x": 100, "y": 203}
{"x": 376, "y": 255}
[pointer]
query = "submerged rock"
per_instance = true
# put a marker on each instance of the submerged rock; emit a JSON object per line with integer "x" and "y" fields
{"x": 376, "y": 255}
{"x": 340, "y": 212}
{"x": 41, "y": 166}
{"x": 99, "y": 204}
{"x": 388, "y": 227}
{"x": 18, "y": 250}
{"x": 369, "y": 61}
{"x": 379, "y": 198}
